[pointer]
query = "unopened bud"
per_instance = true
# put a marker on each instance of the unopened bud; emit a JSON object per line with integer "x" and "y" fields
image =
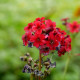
{"x": 46, "y": 63}
{"x": 35, "y": 65}
{"x": 29, "y": 63}
{"x": 47, "y": 67}
{"x": 30, "y": 59}
{"x": 27, "y": 54}
{"x": 24, "y": 71}
{"x": 41, "y": 66}
{"x": 22, "y": 59}
{"x": 46, "y": 73}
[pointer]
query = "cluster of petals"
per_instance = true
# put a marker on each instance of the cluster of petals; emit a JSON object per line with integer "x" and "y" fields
{"x": 44, "y": 35}
{"x": 73, "y": 27}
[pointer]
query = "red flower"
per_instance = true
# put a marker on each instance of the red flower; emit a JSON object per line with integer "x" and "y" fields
{"x": 38, "y": 26}
{"x": 73, "y": 27}
{"x": 62, "y": 32}
{"x": 38, "y": 39}
{"x": 26, "y": 38}
{"x": 68, "y": 43}
{"x": 52, "y": 42}
{"x": 61, "y": 51}
{"x": 65, "y": 21}
{"x": 44, "y": 49}
{"x": 57, "y": 35}
{"x": 50, "y": 26}
{"x": 65, "y": 45}
{"x": 40, "y": 19}
{"x": 49, "y": 23}
{"x": 29, "y": 27}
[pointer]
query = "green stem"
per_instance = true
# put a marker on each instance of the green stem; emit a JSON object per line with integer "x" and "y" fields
{"x": 66, "y": 66}
{"x": 36, "y": 78}
{"x": 39, "y": 64}
{"x": 31, "y": 77}
{"x": 69, "y": 57}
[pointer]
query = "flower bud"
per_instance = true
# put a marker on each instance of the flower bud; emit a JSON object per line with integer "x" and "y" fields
{"x": 27, "y": 54}
{"x": 35, "y": 65}
{"x": 32, "y": 70}
{"x": 22, "y": 59}
{"x": 37, "y": 61}
{"x": 53, "y": 65}
{"x": 46, "y": 73}
{"x": 47, "y": 67}
{"x": 41, "y": 66}
{"x": 36, "y": 72}
{"x": 29, "y": 63}
{"x": 24, "y": 71}
{"x": 30, "y": 44}
{"x": 46, "y": 63}
{"x": 30, "y": 59}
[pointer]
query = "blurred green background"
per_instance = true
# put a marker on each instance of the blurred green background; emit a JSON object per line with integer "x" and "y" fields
{"x": 14, "y": 16}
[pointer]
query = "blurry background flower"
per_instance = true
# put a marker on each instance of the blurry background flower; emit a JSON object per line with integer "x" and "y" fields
{"x": 14, "y": 14}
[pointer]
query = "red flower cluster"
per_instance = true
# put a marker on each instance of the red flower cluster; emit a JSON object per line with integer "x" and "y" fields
{"x": 44, "y": 35}
{"x": 72, "y": 27}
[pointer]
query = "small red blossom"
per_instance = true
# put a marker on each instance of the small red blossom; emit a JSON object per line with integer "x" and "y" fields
{"x": 57, "y": 35}
{"x": 38, "y": 39}
{"x": 49, "y": 23}
{"x": 26, "y": 38}
{"x": 65, "y": 21}
{"x": 65, "y": 45}
{"x": 29, "y": 27}
{"x": 68, "y": 43}
{"x": 52, "y": 42}
{"x": 38, "y": 26}
{"x": 61, "y": 51}
{"x": 50, "y": 26}
{"x": 44, "y": 49}
{"x": 74, "y": 27}
{"x": 40, "y": 19}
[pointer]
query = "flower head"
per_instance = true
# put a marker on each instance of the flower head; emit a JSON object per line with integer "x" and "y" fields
{"x": 38, "y": 39}
{"x": 44, "y": 35}
{"x": 74, "y": 27}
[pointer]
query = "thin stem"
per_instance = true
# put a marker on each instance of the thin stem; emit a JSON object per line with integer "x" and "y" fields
{"x": 31, "y": 77}
{"x": 36, "y": 78}
{"x": 39, "y": 64}
{"x": 66, "y": 66}
{"x": 69, "y": 57}
{"x": 39, "y": 61}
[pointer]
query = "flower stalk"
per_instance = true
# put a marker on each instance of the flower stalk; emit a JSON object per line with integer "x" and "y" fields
{"x": 31, "y": 77}
{"x": 66, "y": 66}
{"x": 69, "y": 57}
{"x": 39, "y": 64}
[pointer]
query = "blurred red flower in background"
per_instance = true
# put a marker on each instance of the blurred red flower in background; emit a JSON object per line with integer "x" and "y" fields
{"x": 74, "y": 27}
